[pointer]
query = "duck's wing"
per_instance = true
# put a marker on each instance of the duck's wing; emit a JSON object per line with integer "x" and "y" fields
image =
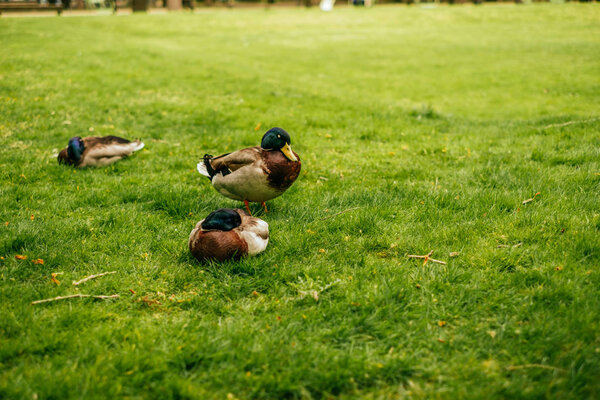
{"x": 193, "y": 233}
{"x": 229, "y": 162}
{"x": 255, "y": 232}
{"x": 110, "y": 146}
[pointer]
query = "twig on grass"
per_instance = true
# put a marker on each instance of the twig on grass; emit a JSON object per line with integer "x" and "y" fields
{"x": 87, "y": 278}
{"x": 544, "y": 366}
{"x": 570, "y": 123}
{"x": 505, "y": 246}
{"x": 341, "y": 212}
{"x": 315, "y": 293}
{"x": 71, "y": 296}
{"x": 531, "y": 199}
{"x": 427, "y": 258}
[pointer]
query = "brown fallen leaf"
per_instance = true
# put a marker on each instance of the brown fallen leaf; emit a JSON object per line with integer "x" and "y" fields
{"x": 132, "y": 291}
{"x": 32, "y": 217}
{"x": 20, "y": 257}
{"x": 257, "y": 127}
{"x": 149, "y": 302}
{"x": 54, "y": 275}
{"x": 442, "y": 323}
{"x": 38, "y": 261}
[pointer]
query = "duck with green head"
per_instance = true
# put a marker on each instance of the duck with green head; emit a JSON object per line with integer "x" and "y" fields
{"x": 228, "y": 234}
{"x": 94, "y": 151}
{"x": 254, "y": 174}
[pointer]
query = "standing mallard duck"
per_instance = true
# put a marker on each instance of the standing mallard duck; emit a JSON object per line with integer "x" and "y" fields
{"x": 93, "y": 151}
{"x": 227, "y": 233}
{"x": 255, "y": 174}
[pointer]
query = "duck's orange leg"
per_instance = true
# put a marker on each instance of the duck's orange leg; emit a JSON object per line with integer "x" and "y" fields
{"x": 264, "y": 206}
{"x": 247, "y": 207}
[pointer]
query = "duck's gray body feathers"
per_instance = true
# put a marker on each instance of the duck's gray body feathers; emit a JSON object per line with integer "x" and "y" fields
{"x": 253, "y": 174}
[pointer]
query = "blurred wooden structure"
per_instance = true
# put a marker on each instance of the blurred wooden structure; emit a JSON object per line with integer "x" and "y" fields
{"x": 24, "y": 5}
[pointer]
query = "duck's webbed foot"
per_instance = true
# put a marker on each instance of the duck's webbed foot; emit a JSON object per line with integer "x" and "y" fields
{"x": 264, "y": 206}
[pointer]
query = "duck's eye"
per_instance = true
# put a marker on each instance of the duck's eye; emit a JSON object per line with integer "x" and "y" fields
{"x": 279, "y": 136}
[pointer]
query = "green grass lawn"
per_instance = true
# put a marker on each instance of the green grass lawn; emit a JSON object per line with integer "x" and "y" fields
{"x": 419, "y": 129}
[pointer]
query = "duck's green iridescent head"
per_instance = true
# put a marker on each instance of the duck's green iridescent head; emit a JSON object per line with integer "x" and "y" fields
{"x": 277, "y": 138}
{"x": 75, "y": 149}
{"x": 223, "y": 219}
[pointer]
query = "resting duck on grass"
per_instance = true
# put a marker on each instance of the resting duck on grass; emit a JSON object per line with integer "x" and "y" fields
{"x": 93, "y": 151}
{"x": 255, "y": 174}
{"x": 227, "y": 233}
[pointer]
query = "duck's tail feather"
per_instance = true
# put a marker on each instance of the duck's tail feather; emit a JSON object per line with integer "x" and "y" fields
{"x": 202, "y": 169}
{"x": 139, "y": 145}
{"x": 205, "y": 168}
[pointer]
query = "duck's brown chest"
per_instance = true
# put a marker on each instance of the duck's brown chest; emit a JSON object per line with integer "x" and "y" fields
{"x": 281, "y": 172}
{"x": 218, "y": 245}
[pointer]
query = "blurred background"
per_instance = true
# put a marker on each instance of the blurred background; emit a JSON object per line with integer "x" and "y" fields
{"x": 17, "y": 6}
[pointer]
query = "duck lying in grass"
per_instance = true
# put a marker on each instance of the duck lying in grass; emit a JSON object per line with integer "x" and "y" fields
{"x": 93, "y": 151}
{"x": 228, "y": 234}
{"x": 255, "y": 174}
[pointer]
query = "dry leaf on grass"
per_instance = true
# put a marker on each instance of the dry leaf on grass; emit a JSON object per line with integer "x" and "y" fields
{"x": 53, "y": 278}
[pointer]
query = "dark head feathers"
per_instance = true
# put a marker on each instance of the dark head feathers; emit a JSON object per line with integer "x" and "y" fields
{"x": 75, "y": 149}
{"x": 275, "y": 138}
{"x": 223, "y": 219}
